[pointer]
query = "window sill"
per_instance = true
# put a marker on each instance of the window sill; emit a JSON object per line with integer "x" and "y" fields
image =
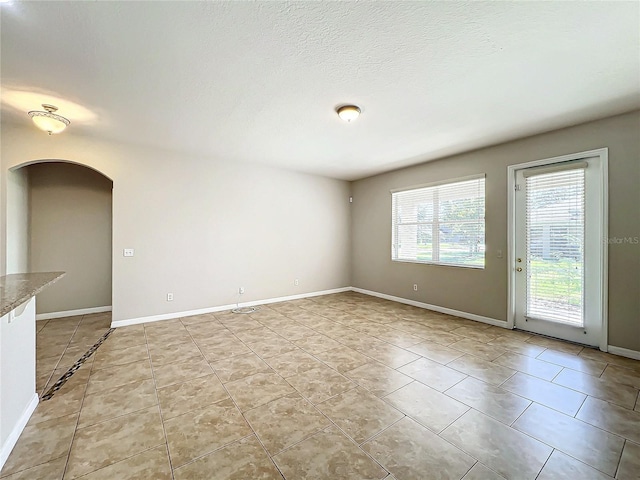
{"x": 440, "y": 264}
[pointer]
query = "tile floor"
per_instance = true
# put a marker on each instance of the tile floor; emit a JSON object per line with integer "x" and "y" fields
{"x": 343, "y": 386}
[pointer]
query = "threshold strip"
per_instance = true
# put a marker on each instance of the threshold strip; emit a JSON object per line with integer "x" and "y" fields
{"x": 69, "y": 373}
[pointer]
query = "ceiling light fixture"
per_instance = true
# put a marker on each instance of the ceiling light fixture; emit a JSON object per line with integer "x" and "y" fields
{"x": 48, "y": 120}
{"x": 348, "y": 113}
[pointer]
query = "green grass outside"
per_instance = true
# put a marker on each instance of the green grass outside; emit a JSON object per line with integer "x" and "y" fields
{"x": 551, "y": 280}
{"x": 451, "y": 253}
{"x": 556, "y": 280}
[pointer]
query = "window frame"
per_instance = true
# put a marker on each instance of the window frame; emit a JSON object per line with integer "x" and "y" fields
{"x": 435, "y": 222}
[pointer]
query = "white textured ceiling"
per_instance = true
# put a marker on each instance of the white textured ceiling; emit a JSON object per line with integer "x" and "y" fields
{"x": 259, "y": 81}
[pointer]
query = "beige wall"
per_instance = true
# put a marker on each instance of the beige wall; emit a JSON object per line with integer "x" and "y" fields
{"x": 484, "y": 292}
{"x": 203, "y": 227}
{"x": 18, "y": 221}
{"x": 70, "y": 225}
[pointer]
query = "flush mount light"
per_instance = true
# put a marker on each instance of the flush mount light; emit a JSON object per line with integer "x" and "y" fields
{"x": 348, "y": 113}
{"x": 48, "y": 120}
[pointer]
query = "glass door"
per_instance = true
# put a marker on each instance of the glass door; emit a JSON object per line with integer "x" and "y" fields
{"x": 558, "y": 268}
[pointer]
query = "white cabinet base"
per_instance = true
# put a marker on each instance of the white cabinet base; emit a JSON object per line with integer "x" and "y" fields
{"x": 18, "y": 398}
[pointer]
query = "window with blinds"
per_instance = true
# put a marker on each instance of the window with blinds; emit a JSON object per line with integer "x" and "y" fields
{"x": 442, "y": 224}
{"x": 555, "y": 246}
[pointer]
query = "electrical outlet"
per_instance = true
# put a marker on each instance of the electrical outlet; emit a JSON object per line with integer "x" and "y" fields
{"x": 241, "y": 290}
{"x": 415, "y": 287}
{"x": 127, "y": 252}
{"x": 169, "y": 297}
{"x": 296, "y": 282}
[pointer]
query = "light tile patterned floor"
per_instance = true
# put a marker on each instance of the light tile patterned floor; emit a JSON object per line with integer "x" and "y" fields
{"x": 343, "y": 386}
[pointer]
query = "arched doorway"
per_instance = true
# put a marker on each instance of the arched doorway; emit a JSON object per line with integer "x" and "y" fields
{"x": 59, "y": 217}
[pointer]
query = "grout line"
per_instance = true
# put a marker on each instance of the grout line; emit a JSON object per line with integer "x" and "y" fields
{"x": 253, "y": 432}
{"x": 557, "y": 375}
{"x": 153, "y": 376}
{"x": 84, "y": 395}
{"x": 523, "y": 412}
{"x": 4, "y": 475}
{"x": 217, "y": 449}
{"x": 580, "y": 407}
{"x": 337, "y": 426}
{"x": 63, "y": 351}
{"x": 376, "y": 435}
{"x": 320, "y": 308}
{"x": 470, "y": 468}
{"x": 562, "y": 451}
{"x": 545, "y": 462}
{"x": 624, "y": 445}
{"x": 104, "y": 420}
{"x": 457, "y": 383}
{"x": 119, "y": 461}
{"x": 314, "y": 406}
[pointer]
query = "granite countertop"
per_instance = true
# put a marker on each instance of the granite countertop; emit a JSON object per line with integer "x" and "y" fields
{"x": 17, "y": 288}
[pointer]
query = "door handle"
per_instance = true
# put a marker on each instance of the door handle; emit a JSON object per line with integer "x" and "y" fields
{"x": 519, "y": 269}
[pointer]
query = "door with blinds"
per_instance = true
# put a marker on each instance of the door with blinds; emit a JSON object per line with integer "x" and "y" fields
{"x": 559, "y": 250}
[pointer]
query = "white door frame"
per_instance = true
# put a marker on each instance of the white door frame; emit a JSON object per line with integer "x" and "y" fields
{"x": 603, "y": 154}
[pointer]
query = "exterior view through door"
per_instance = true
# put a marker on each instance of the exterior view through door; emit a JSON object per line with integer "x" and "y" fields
{"x": 559, "y": 256}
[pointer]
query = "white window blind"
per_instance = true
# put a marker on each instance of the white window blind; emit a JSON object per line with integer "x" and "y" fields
{"x": 555, "y": 246}
{"x": 442, "y": 224}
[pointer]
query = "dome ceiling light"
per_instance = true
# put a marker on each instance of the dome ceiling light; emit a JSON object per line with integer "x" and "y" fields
{"x": 348, "y": 113}
{"x": 48, "y": 120}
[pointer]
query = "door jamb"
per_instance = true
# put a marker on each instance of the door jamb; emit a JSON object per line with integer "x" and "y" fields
{"x": 603, "y": 153}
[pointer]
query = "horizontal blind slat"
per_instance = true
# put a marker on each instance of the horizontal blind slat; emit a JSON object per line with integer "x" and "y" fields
{"x": 440, "y": 224}
{"x": 555, "y": 246}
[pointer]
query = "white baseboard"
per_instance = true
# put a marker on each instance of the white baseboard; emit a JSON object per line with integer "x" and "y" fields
{"x": 435, "y": 308}
{"x": 220, "y": 308}
{"x": 72, "y": 313}
{"x": 624, "y": 352}
{"x": 13, "y": 437}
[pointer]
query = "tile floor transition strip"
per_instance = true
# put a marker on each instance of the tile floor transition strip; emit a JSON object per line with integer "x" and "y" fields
{"x": 63, "y": 379}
